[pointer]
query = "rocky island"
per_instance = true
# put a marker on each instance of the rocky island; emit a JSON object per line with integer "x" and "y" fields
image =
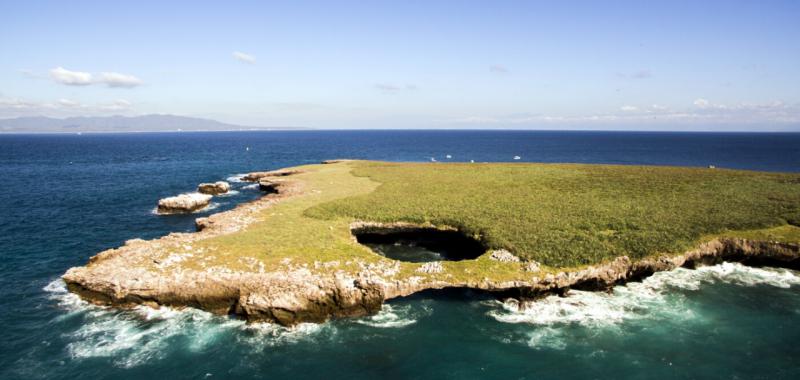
{"x": 338, "y": 239}
{"x": 216, "y": 188}
{"x": 183, "y": 203}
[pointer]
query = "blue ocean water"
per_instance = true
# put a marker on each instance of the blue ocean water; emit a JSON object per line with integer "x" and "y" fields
{"x": 66, "y": 197}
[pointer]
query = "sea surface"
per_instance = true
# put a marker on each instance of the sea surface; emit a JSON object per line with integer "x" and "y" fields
{"x": 64, "y": 198}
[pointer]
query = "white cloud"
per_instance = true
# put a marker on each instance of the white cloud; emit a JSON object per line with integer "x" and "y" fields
{"x": 112, "y": 79}
{"x": 244, "y": 57}
{"x": 703, "y": 113}
{"x": 15, "y": 104}
{"x": 15, "y": 107}
{"x": 701, "y": 103}
{"x": 70, "y": 78}
{"x": 68, "y": 103}
{"x": 79, "y": 78}
{"x": 117, "y": 105}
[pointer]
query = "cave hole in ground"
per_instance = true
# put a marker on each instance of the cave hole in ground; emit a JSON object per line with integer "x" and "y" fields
{"x": 419, "y": 244}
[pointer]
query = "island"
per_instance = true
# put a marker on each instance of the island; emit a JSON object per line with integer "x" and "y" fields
{"x": 340, "y": 238}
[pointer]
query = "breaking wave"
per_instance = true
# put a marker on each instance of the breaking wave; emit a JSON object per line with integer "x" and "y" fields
{"x": 211, "y": 206}
{"x": 251, "y": 187}
{"x": 228, "y": 194}
{"x": 236, "y": 178}
{"x": 133, "y": 337}
{"x": 653, "y": 298}
{"x": 395, "y": 316}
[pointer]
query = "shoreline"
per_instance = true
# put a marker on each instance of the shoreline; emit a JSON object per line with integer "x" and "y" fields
{"x": 139, "y": 273}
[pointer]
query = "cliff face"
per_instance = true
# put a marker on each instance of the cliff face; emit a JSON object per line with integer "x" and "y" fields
{"x": 297, "y": 295}
{"x": 180, "y": 269}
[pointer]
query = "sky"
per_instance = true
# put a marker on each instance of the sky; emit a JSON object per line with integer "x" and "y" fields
{"x": 613, "y": 65}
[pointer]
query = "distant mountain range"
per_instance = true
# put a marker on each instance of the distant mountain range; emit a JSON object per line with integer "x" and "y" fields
{"x": 146, "y": 123}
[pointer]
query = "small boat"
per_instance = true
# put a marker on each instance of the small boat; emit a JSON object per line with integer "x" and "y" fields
{"x": 517, "y": 157}
{"x": 433, "y": 159}
{"x": 449, "y": 156}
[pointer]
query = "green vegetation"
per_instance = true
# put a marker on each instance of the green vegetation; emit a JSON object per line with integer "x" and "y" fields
{"x": 559, "y": 215}
{"x": 564, "y": 214}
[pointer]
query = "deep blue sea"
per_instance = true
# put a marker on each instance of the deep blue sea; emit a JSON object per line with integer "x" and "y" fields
{"x": 64, "y": 198}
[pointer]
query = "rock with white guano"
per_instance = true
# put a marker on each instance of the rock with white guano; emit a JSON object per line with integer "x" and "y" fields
{"x": 431, "y": 267}
{"x": 503, "y": 256}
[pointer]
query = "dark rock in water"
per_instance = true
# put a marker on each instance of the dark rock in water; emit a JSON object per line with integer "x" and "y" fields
{"x": 269, "y": 185}
{"x": 202, "y": 223}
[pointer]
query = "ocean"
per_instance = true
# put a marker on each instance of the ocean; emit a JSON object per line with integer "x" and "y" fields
{"x": 63, "y": 198}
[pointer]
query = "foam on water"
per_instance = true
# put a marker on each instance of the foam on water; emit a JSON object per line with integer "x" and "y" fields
{"x": 547, "y": 337}
{"x": 236, "y": 178}
{"x": 251, "y": 187}
{"x": 211, "y": 206}
{"x": 228, "y": 194}
{"x": 738, "y": 274}
{"x": 396, "y": 316}
{"x": 654, "y": 298}
{"x": 133, "y": 337}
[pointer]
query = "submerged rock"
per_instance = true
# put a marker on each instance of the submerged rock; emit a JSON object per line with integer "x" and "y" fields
{"x": 219, "y": 187}
{"x": 183, "y": 203}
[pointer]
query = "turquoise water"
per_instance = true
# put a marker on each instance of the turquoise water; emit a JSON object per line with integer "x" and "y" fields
{"x": 67, "y": 197}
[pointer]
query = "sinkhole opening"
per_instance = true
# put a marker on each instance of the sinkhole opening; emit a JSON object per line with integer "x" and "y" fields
{"x": 419, "y": 244}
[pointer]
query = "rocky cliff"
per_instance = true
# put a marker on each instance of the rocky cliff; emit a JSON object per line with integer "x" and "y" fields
{"x": 174, "y": 270}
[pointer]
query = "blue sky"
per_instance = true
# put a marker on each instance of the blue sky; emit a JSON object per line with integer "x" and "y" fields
{"x": 713, "y": 65}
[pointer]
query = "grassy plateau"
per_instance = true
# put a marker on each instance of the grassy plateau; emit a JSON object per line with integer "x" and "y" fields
{"x": 560, "y": 215}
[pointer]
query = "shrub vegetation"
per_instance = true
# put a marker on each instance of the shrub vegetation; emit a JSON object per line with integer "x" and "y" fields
{"x": 569, "y": 214}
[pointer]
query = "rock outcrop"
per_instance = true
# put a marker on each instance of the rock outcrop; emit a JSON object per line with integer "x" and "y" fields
{"x": 503, "y": 256}
{"x": 270, "y": 185}
{"x": 153, "y": 272}
{"x": 216, "y": 188}
{"x": 292, "y": 295}
{"x": 183, "y": 203}
{"x": 256, "y": 176}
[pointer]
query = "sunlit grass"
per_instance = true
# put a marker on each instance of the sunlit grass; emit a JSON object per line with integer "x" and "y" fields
{"x": 571, "y": 215}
